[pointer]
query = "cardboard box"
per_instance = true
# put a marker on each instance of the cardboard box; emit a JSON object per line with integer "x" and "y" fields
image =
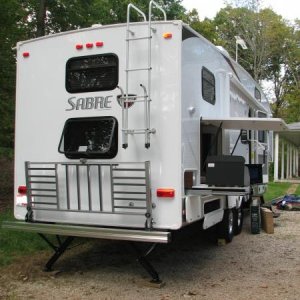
{"x": 267, "y": 220}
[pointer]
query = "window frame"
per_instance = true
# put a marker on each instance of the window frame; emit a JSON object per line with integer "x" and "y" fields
{"x": 72, "y": 90}
{"x": 113, "y": 143}
{"x": 211, "y": 101}
{"x": 257, "y": 94}
{"x": 262, "y": 134}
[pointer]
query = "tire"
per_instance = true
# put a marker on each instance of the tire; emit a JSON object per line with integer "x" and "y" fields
{"x": 238, "y": 220}
{"x": 226, "y": 227}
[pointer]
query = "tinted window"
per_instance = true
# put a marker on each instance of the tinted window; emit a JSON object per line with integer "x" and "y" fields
{"x": 257, "y": 94}
{"x": 208, "y": 86}
{"x": 92, "y": 73}
{"x": 262, "y": 135}
{"x": 90, "y": 138}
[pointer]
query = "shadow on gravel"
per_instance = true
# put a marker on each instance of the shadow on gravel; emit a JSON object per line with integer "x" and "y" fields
{"x": 191, "y": 248}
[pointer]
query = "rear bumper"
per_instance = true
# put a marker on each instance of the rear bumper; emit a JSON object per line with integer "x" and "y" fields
{"x": 92, "y": 232}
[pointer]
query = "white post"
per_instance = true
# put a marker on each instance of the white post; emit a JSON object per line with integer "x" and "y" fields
{"x": 282, "y": 160}
{"x": 297, "y": 163}
{"x": 294, "y": 162}
{"x": 288, "y": 161}
{"x": 291, "y": 161}
{"x": 276, "y": 153}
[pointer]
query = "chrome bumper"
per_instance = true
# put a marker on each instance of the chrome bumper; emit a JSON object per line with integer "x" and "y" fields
{"x": 92, "y": 232}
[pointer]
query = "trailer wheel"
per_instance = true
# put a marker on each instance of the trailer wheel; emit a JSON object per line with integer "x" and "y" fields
{"x": 238, "y": 220}
{"x": 226, "y": 227}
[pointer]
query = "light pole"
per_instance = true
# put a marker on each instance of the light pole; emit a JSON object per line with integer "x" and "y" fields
{"x": 241, "y": 42}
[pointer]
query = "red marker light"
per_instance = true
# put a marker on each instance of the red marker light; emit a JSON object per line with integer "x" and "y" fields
{"x": 22, "y": 190}
{"x": 167, "y": 35}
{"x": 79, "y": 46}
{"x": 166, "y": 193}
{"x": 89, "y": 45}
{"x": 25, "y": 54}
{"x": 99, "y": 44}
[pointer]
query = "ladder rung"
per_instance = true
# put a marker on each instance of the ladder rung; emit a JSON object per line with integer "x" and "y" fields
{"x": 139, "y": 38}
{"x": 135, "y": 131}
{"x": 138, "y": 69}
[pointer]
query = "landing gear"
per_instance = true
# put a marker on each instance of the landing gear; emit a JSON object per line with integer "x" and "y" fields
{"x": 142, "y": 259}
{"x": 58, "y": 250}
{"x": 225, "y": 229}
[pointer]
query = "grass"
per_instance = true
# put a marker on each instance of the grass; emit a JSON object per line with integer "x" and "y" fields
{"x": 276, "y": 189}
{"x": 298, "y": 190}
{"x": 14, "y": 244}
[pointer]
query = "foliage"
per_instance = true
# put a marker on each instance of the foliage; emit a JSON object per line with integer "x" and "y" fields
{"x": 273, "y": 51}
{"x": 12, "y": 30}
{"x": 14, "y": 244}
{"x": 273, "y": 43}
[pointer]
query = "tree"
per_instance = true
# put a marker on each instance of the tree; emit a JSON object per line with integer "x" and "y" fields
{"x": 26, "y": 19}
{"x": 273, "y": 49}
{"x": 12, "y": 15}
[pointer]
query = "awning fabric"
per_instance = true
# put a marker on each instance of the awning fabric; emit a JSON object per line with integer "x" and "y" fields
{"x": 278, "y": 125}
{"x": 273, "y": 124}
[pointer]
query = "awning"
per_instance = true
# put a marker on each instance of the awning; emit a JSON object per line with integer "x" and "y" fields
{"x": 273, "y": 124}
{"x": 292, "y": 136}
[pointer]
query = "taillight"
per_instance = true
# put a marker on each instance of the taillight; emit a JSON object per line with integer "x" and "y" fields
{"x": 79, "y": 46}
{"x": 165, "y": 193}
{"x": 25, "y": 54}
{"x": 99, "y": 44}
{"x": 22, "y": 190}
{"x": 89, "y": 45}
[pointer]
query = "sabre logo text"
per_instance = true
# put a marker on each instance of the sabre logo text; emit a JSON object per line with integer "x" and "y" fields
{"x": 89, "y": 103}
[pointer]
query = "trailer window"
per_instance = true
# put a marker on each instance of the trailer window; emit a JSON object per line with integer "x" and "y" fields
{"x": 208, "y": 86}
{"x": 92, "y": 73}
{"x": 90, "y": 138}
{"x": 257, "y": 94}
{"x": 262, "y": 135}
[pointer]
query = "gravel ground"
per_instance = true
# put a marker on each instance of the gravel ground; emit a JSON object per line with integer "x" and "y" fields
{"x": 261, "y": 266}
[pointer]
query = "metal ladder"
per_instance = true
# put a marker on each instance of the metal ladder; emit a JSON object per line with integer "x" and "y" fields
{"x": 126, "y": 99}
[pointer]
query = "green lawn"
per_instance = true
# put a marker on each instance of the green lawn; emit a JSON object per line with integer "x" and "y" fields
{"x": 17, "y": 243}
{"x": 298, "y": 190}
{"x": 276, "y": 189}
{"x": 14, "y": 244}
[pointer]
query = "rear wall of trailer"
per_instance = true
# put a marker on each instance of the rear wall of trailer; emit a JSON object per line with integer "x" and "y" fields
{"x": 44, "y": 105}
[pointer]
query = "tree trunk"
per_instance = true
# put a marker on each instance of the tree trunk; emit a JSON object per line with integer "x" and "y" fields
{"x": 41, "y": 17}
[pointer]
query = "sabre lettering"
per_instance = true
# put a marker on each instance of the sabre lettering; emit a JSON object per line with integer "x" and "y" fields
{"x": 89, "y": 103}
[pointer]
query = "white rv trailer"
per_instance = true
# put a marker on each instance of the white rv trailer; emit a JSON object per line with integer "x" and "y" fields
{"x": 122, "y": 130}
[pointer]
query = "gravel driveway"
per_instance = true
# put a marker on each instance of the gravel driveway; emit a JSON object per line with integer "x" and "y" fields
{"x": 262, "y": 266}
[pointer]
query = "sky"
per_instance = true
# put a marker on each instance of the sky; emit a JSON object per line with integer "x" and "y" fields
{"x": 288, "y": 9}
